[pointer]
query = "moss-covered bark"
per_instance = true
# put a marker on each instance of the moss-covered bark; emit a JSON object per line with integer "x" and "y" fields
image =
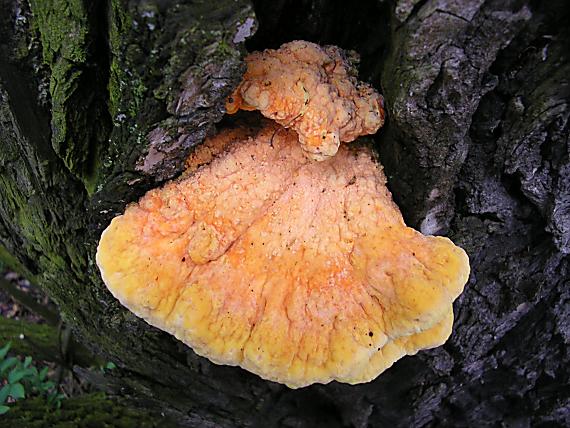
{"x": 43, "y": 342}
{"x": 92, "y": 410}
{"x": 38, "y": 341}
{"x": 101, "y": 100}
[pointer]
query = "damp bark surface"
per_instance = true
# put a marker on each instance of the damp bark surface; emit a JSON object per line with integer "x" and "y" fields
{"x": 102, "y": 100}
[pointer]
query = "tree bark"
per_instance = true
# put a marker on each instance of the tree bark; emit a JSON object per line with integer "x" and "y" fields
{"x": 101, "y": 100}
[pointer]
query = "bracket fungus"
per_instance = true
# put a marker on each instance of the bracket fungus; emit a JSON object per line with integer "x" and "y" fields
{"x": 313, "y": 90}
{"x": 299, "y": 271}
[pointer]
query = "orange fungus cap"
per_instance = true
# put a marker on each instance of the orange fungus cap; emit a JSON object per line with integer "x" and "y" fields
{"x": 301, "y": 272}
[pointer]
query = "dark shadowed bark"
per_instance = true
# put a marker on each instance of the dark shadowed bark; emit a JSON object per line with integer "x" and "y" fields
{"x": 101, "y": 100}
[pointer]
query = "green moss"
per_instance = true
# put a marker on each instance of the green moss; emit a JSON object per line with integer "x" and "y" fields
{"x": 90, "y": 410}
{"x": 122, "y": 80}
{"x": 44, "y": 243}
{"x": 91, "y": 179}
{"x": 38, "y": 340}
{"x": 63, "y": 29}
{"x": 8, "y": 260}
{"x": 76, "y": 117}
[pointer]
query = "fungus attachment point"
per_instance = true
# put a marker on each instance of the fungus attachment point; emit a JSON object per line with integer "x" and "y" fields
{"x": 298, "y": 271}
{"x": 311, "y": 89}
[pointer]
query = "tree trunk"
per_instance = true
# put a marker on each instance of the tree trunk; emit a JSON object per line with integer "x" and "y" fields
{"x": 101, "y": 100}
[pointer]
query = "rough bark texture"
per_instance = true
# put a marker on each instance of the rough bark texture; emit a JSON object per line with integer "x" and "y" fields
{"x": 100, "y": 100}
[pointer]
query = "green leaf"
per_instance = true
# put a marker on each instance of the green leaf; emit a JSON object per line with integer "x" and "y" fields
{"x": 33, "y": 373}
{"x": 110, "y": 365}
{"x": 27, "y": 361}
{"x": 5, "y": 350}
{"x": 4, "y": 409}
{"x": 4, "y": 392}
{"x": 16, "y": 375}
{"x": 43, "y": 373}
{"x": 7, "y": 363}
{"x": 55, "y": 398}
{"x": 17, "y": 391}
{"x": 30, "y": 372}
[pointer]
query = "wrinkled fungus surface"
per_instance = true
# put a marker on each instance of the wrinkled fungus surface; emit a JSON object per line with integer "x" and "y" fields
{"x": 313, "y": 90}
{"x": 295, "y": 270}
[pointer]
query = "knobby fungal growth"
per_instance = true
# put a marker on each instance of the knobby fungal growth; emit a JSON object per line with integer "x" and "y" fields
{"x": 313, "y": 90}
{"x": 296, "y": 270}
